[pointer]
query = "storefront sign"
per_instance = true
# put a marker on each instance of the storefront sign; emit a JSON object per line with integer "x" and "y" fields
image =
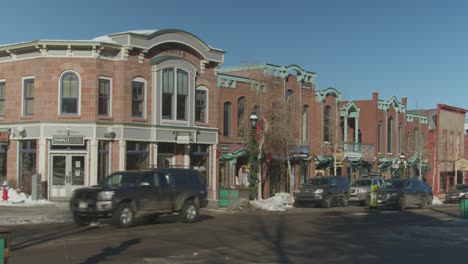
{"x": 68, "y": 140}
{"x": 183, "y": 139}
{"x": 225, "y": 148}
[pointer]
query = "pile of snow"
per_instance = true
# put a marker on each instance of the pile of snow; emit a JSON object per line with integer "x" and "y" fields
{"x": 16, "y": 198}
{"x": 279, "y": 202}
{"x": 436, "y": 201}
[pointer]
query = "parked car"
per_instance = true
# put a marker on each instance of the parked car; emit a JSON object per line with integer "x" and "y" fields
{"x": 323, "y": 191}
{"x": 124, "y": 195}
{"x": 360, "y": 188}
{"x": 400, "y": 193}
{"x": 458, "y": 192}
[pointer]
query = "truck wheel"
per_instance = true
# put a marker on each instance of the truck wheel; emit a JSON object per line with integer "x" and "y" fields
{"x": 365, "y": 202}
{"x": 124, "y": 216}
{"x": 190, "y": 212}
{"x": 402, "y": 204}
{"x": 81, "y": 220}
{"x": 326, "y": 203}
{"x": 345, "y": 201}
{"x": 422, "y": 202}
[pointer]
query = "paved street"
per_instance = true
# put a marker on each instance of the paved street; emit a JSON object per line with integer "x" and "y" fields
{"x": 300, "y": 235}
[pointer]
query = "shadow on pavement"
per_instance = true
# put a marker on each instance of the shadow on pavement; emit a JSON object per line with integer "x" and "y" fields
{"x": 112, "y": 251}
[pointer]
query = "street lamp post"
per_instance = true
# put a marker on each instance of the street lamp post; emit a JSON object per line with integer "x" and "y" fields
{"x": 255, "y": 176}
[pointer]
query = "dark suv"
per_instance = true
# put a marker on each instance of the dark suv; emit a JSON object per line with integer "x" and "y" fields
{"x": 399, "y": 193}
{"x": 124, "y": 195}
{"x": 323, "y": 191}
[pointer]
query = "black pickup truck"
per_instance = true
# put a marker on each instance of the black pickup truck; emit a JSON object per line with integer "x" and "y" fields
{"x": 122, "y": 196}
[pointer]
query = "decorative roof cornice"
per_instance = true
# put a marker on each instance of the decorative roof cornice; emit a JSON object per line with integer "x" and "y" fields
{"x": 350, "y": 110}
{"x": 393, "y": 101}
{"x": 422, "y": 119}
{"x": 276, "y": 71}
{"x": 320, "y": 95}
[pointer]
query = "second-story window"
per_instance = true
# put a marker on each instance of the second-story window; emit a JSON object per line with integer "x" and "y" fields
{"x": 138, "y": 97}
{"x": 28, "y": 96}
{"x": 69, "y": 93}
{"x": 400, "y": 138}
{"x": 390, "y": 135}
{"x": 416, "y": 135}
{"x": 2, "y": 98}
{"x": 408, "y": 139}
{"x": 201, "y": 105}
{"x": 379, "y": 132}
{"x": 227, "y": 120}
{"x": 327, "y": 124}
{"x": 305, "y": 124}
{"x": 175, "y": 83}
{"x": 104, "y": 97}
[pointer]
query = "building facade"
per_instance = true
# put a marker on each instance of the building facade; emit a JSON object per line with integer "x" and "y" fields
{"x": 73, "y": 111}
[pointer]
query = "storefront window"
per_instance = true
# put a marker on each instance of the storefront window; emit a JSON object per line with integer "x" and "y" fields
{"x": 103, "y": 159}
{"x": 137, "y": 155}
{"x": 27, "y": 164}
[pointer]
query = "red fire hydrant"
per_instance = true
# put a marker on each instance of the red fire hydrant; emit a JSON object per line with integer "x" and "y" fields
{"x": 5, "y": 191}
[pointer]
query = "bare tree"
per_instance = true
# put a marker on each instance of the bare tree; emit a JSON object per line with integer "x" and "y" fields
{"x": 278, "y": 122}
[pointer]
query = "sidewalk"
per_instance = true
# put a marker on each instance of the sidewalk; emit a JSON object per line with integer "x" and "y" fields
{"x": 56, "y": 212}
{"x": 47, "y": 213}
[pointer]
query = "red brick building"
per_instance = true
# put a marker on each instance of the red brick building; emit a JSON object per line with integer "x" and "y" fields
{"x": 73, "y": 111}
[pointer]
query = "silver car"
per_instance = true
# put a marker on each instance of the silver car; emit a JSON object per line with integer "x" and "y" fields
{"x": 360, "y": 188}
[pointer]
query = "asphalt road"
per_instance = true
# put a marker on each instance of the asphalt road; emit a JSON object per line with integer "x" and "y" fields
{"x": 300, "y": 235}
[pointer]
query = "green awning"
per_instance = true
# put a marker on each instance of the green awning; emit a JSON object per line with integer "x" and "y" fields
{"x": 233, "y": 155}
{"x": 323, "y": 159}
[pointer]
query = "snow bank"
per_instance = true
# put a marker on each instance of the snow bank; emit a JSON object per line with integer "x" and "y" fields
{"x": 436, "y": 201}
{"x": 279, "y": 202}
{"x": 21, "y": 199}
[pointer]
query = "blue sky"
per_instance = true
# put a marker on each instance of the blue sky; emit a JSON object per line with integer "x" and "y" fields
{"x": 412, "y": 48}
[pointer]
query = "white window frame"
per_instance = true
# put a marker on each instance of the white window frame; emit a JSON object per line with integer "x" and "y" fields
{"x": 4, "y": 83}
{"x": 110, "y": 95}
{"x": 145, "y": 94}
{"x": 59, "y": 110}
{"x": 174, "y": 97}
{"x": 22, "y": 93}
{"x": 202, "y": 88}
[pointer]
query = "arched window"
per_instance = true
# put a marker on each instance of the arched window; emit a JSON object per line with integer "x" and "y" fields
{"x": 408, "y": 140}
{"x": 241, "y": 112}
{"x": 138, "y": 97}
{"x": 305, "y": 124}
{"x": 390, "y": 135}
{"x": 175, "y": 83}
{"x": 416, "y": 141}
{"x": 201, "y": 104}
{"x": 227, "y": 120}
{"x": 327, "y": 124}
{"x": 400, "y": 137}
{"x": 379, "y": 131}
{"x": 69, "y": 93}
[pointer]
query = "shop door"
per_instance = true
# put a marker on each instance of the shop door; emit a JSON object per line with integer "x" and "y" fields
{"x": 68, "y": 173}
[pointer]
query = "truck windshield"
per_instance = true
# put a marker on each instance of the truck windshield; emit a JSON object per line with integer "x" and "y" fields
{"x": 317, "y": 181}
{"x": 395, "y": 184}
{"x": 118, "y": 179}
{"x": 361, "y": 183}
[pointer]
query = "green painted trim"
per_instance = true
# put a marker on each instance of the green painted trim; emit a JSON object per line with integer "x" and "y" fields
{"x": 385, "y": 105}
{"x": 230, "y": 81}
{"x": 411, "y": 117}
{"x": 160, "y": 59}
{"x": 275, "y": 70}
{"x": 344, "y": 111}
{"x": 233, "y": 155}
{"x": 320, "y": 95}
